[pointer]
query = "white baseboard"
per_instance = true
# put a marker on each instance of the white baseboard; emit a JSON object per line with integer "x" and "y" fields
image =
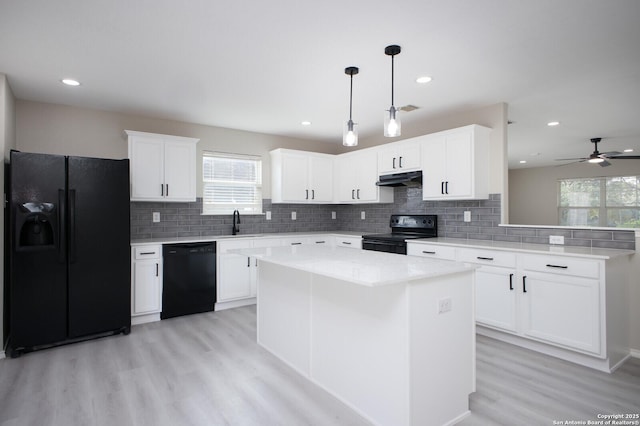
{"x": 635, "y": 353}
{"x": 220, "y": 306}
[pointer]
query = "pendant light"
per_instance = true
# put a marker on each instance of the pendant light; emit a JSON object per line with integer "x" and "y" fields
{"x": 350, "y": 134}
{"x": 391, "y": 119}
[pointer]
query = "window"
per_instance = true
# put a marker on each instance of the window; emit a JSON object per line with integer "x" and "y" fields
{"x": 604, "y": 201}
{"x": 230, "y": 182}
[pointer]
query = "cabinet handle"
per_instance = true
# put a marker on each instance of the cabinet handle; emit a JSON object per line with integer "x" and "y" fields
{"x": 157, "y": 269}
{"x": 306, "y": 197}
{"x": 446, "y": 187}
{"x": 346, "y": 243}
{"x": 256, "y": 262}
{"x": 394, "y": 162}
{"x": 400, "y": 162}
{"x": 162, "y": 189}
{"x": 353, "y": 191}
{"x": 358, "y": 194}
{"x": 524, "y": 284}
{"x": 484, "y": 258}
{"x": 428, "y": 252}
{"x": 313, "y": 194}
{"x": 510, "y": 281}
{"x": 296, "y": 244}
{"x": 320, "y": 242}
{"x": 248, "y": 262}
{"x": 442, "y": 187}
{"x": 147, "y": 252}
{"x": 557, "y": 266}
{"x": 167, "y": 190}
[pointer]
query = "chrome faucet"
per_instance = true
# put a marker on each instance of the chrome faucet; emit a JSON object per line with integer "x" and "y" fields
{"x": 236, "y": 222}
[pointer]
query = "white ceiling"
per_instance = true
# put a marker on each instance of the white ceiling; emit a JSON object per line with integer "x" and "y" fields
{"x": 265, "y": 66}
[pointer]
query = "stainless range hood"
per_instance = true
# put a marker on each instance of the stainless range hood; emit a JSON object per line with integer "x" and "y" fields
{"x": 401, "y": 179}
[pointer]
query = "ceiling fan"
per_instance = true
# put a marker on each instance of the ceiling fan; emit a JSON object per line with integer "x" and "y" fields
{"x": 598, "y": 157}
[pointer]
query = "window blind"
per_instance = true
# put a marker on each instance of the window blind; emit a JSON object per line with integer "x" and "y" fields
{"x": 230, "y": 182}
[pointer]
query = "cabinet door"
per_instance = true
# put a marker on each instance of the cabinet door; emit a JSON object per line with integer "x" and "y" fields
{"x": 234, "y": 277}
{"x": 496, "y": 297}
{"x": 365, "y": 170}
{"x": 345, "y": 183}
{"x": 295, "y": 174}
{"x": 434, "y": 167}
{"x": 147, "y": 169}
{"x": 409, "y": 157}
{"x": 458, "y": 165}
{"x": 147, "y": 287}
{"x": 563, "y": 310}
{"x": 320, "y": 179}
{"x": 388, "y": 160}
{"x": 180, "y": 171}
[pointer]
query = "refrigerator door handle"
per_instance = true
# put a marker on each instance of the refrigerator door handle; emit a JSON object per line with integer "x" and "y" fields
{"x": 72, "y": 226}
{"x": 62, "y": 228}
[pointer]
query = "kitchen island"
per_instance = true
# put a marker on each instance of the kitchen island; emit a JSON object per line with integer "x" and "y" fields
{"x": 391, "y": 336}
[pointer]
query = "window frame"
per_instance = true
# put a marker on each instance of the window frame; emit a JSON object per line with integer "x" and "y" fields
{"x": 228, "y": 208}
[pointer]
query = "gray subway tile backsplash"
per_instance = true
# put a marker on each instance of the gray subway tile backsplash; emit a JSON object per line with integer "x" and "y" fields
{"x": 185, "y": 220}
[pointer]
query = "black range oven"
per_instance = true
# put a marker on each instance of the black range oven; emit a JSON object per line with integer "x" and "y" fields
{"x": 403, "y": 227}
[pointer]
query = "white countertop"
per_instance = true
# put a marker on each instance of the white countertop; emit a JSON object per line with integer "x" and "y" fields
{"x": 181, "y": 240}
{"x": 587, "y": 252}
{"x": 363, "y": 267}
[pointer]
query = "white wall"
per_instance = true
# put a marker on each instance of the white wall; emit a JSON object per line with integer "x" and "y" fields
{"x": 533, "y": 191}
{"x": 7, "y": 142}
{"x": 64, "y": 130}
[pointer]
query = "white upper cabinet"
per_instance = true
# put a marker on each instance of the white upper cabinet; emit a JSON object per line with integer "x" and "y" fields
{"x": 455, "y": 164}
{"x": 399, "y": 157}
{"x": 356, "y": 176}
{"x": 162, "y": 167}
{"x": 301, "y": 177}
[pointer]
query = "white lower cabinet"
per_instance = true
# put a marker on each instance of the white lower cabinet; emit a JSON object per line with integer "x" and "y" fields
{"x": 561, "y": 302}
{"x": 146, "y": 280}
{"x": 544, "y": 302}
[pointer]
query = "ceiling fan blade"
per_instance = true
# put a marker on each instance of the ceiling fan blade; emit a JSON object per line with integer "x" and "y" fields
{"x": 580, "y": 160}
{"x": 629, "y": 157}
{"x": 610, "y": 153}
{"x": 571, "y": 159}
{"x": 604, "y": 163}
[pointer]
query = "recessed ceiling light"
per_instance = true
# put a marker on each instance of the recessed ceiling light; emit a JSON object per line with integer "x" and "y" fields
{"x": 71, "y": 82}
{"x": 523, "y": 161}
{"x": 306, "y": 123}
{"x": 628, "y": 150}
{"x": 424, "y": 79}
{"x": 553, "y": 123}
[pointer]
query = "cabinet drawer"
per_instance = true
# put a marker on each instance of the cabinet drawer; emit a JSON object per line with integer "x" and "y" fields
{"x": 147, "y": 252}
{"x": 351, "y": 242}
{"x": 224, "y": 246}
{"x": 428, "y": 250}
{"x": 487, "y": 257}
{"x": 589, "y": 268}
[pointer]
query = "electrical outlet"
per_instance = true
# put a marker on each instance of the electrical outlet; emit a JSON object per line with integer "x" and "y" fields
{"x": 467, "y": 216}
{"x": 556, "y": 239}
{"x": 362, "y": 215}
{"x": 444, "y": 305}
{"x": 333, "y": 215}
{"x": 156, "y": 217}
{"x": 293, "y": 216}
{"x": 268, "y": 214}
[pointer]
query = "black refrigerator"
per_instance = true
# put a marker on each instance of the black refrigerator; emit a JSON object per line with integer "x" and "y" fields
{"x": 69, "y": 261}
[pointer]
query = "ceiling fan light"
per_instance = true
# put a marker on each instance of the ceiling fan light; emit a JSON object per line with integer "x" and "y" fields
{"x": 595, "y": 160}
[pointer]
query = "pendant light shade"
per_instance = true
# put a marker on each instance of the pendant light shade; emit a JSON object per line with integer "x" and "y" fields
{"x": 350, "y": 134}
{"x": 392, "y": 125}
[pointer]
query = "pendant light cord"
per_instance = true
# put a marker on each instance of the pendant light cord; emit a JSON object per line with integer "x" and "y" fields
{"x": 351, "y": 97}
{"x": 392, "y": 58}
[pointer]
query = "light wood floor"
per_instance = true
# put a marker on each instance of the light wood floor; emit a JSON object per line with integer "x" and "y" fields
{"x": 207, "y": 369}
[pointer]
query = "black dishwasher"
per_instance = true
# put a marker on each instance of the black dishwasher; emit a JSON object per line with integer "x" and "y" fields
{"x": 189, "y": 281}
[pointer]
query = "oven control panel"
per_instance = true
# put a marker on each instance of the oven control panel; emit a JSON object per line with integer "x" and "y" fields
{"x": 410, "y": 222}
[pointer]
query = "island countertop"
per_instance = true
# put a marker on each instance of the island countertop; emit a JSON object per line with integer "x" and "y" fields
{"x": 363, "y": 267}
